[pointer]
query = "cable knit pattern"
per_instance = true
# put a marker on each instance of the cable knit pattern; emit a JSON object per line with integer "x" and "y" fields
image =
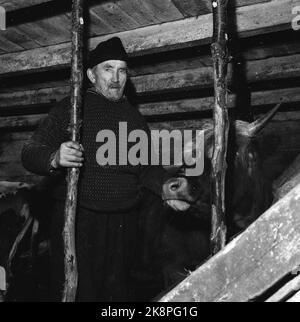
{"x": 109, "y": 187}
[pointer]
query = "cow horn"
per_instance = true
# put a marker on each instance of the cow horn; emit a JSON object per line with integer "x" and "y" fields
{"x": 255, "y": 127}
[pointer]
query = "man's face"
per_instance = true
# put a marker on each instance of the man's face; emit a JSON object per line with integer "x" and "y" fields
{"x": 109, "y": 78}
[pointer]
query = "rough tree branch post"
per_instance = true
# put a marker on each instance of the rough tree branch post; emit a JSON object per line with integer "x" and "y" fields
{"x": 70, "y": 284}
{"x": 221, "y": 124}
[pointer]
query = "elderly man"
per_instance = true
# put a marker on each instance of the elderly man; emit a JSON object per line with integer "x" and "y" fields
{"x": 107, "y": 216}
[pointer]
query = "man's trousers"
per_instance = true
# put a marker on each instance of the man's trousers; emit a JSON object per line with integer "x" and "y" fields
{"x": 105, "y": 248}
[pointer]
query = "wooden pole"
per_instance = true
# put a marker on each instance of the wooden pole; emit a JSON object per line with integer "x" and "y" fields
{"x": 221, "y": 124}
{"x": 71, "y": 275}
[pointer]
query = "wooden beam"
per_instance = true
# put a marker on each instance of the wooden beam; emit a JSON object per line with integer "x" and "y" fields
{"x": 240, "y": 3}
{"x": 206, "y": 103}
{"x": 252, "y": 263}
{"x": 260, "y": 70}
{"x": 31, "y": 121}
{"x": 193, "y": 7}
{"x": 286, "y": 291}
{"x": 12, "y": 5}
{"x": 17, "y": 4}
{"x": 250, "y": 52}
{"x": 21, "y": 121}
{"x": 52, "y": 95}
{"x": 34, "y": 97}
{"x": 295, "y": 298}
{"x": 254, "y": 19}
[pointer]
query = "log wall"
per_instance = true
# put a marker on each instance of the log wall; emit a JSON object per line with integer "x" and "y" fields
{"x": 281, "y": 136}
{"x": 170, "y": 67}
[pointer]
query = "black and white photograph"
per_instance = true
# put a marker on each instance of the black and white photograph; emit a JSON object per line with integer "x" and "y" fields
{"x": 149, "y": 153}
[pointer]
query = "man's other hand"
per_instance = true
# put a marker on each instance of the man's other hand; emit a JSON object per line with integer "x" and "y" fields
{"x": 70, "y": 154}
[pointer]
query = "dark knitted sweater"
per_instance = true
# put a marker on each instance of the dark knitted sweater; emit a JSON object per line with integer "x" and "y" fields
{"x": 101, "y": 187}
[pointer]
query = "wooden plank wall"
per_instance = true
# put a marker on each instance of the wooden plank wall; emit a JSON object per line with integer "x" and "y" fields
{"x": 154, "y": 38}
{"x": 284, "y": 131}
{"x": 173, "y": 89}
{"x": 283, "y": 134}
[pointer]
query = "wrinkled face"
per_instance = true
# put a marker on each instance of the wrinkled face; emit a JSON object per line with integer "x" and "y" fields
{"x": 109, "y": 78}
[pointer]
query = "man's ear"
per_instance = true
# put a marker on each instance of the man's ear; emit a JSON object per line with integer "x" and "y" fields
{"x": 90, "y": 75}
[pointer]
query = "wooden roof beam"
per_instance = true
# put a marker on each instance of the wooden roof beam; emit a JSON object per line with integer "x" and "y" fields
{"x": 32, "y": 120}
{"x": 256, "y": 71}
{"x": 49, "y": 96}
{"x": 189, "y": 105}
{"x": 13, "y": 5}
{"x": 251, "y": 20}
{"x": 199, "y": 78}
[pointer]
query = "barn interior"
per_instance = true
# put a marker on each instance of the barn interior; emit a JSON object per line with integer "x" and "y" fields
{"x": 171, "y": 73}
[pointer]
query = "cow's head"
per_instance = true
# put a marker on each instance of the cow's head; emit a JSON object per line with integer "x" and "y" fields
{"x": 180, "y": 191}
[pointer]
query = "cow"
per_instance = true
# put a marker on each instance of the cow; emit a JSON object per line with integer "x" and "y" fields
{"x": 21, "y": 207}
{"x": 173, "y": 243}
{"x": 14, "y": 213}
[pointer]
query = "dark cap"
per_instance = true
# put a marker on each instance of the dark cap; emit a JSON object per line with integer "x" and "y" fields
{"x": 111, "y": 49}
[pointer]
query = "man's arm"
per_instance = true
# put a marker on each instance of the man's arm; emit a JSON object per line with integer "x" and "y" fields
{"x": 38, "y": 153}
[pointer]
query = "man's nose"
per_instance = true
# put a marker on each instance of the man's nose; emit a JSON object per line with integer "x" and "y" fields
{"x": 115, "y": 77}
